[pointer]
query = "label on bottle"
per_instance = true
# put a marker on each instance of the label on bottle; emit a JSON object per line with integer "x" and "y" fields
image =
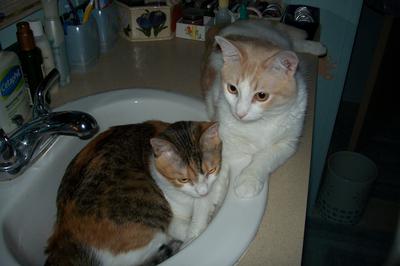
{"x": 14, "y": 99}
{"x": 11, "y": 81}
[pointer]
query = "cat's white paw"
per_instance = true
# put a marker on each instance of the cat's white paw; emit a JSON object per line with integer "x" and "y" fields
{"x": 190, "y": 239}
{"x": 193, "y": 233}
{"x": 187, "y": 242}
{"x": 248, "y": 186}
{"x": 320, "y": 50}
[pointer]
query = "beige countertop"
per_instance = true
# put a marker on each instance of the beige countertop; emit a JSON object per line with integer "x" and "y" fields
{"x": 175, "y": 66}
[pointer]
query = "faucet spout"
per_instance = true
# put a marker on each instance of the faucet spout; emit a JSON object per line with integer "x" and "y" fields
{"x": 17, "y": 151}
{"x": 73, "y": 123}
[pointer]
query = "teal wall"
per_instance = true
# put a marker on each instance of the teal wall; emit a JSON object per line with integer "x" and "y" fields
{"x": 7, "y": 34}
{"x": 369, "y": 28}
{"x": 339, "y": 22}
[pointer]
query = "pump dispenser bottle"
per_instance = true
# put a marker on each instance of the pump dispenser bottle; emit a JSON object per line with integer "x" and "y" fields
{"x": 30, "y": 56}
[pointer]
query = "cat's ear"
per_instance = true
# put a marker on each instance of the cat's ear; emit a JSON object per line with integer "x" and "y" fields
{"x": 210, "y": 140}
{"x": 230, "y": 52}
{"x": 286, "y": 61}
{"x": 161, "y": 146}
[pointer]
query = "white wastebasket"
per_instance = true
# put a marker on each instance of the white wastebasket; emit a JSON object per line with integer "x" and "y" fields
{"x": 346, "y": 186}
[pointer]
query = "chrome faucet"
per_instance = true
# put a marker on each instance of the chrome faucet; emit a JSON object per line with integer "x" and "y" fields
{"x": 32, "y": 138}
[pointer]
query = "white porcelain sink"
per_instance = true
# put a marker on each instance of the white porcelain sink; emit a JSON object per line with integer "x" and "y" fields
{"x": 27, "y": 203}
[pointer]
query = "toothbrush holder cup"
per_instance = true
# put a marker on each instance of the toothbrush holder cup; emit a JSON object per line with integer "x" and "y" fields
{"x": 82, "y": 42}
{"x": 108, "y": 26}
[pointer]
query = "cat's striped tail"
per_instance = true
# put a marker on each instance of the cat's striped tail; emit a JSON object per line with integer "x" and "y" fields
{"x": 67, "y": 252}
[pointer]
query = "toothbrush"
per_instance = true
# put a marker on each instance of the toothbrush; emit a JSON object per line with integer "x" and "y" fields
{"x": 88, "y": 11}
{"x": 74, "y": 13}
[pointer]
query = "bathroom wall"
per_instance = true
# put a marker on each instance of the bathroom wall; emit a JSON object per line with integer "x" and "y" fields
{"x": 7, "y": 34}
{"x": 338, "y": 26}
{"x": 370, "y": 25}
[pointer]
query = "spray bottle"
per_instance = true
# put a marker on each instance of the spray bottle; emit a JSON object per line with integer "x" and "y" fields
{"x": 55, "y": 34}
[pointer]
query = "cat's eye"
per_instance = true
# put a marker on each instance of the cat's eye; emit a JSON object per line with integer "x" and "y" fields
{"x": 183, "y": 179}
{"x": 232, "y": 89}
{"x": 261, "y": 96}
{"x": 212, "y": 171}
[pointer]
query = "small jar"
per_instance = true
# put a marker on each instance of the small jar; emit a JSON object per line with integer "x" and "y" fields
{"x": 192, "y": 16}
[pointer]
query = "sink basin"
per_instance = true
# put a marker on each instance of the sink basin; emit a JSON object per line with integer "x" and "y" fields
{"x": 27, "y": 203}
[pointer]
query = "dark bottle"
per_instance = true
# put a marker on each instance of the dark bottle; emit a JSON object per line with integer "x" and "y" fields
{"x": 30, "y": 56}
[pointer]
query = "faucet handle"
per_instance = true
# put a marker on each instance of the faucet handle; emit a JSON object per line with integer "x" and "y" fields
{"x": 40, "y": 107}
{"x": 8, "y": 154}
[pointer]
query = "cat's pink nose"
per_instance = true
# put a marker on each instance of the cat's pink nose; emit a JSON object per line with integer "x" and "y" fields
{"x": 241, "y": 114}
{"x": 202, "y": 189}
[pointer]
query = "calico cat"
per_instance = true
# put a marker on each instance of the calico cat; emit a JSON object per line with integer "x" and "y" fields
{"x": 254, "y": 89}
{"x": 127, "y": 198}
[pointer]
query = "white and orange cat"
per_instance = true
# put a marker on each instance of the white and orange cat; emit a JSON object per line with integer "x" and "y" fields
{"x": 254, "y": 89}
